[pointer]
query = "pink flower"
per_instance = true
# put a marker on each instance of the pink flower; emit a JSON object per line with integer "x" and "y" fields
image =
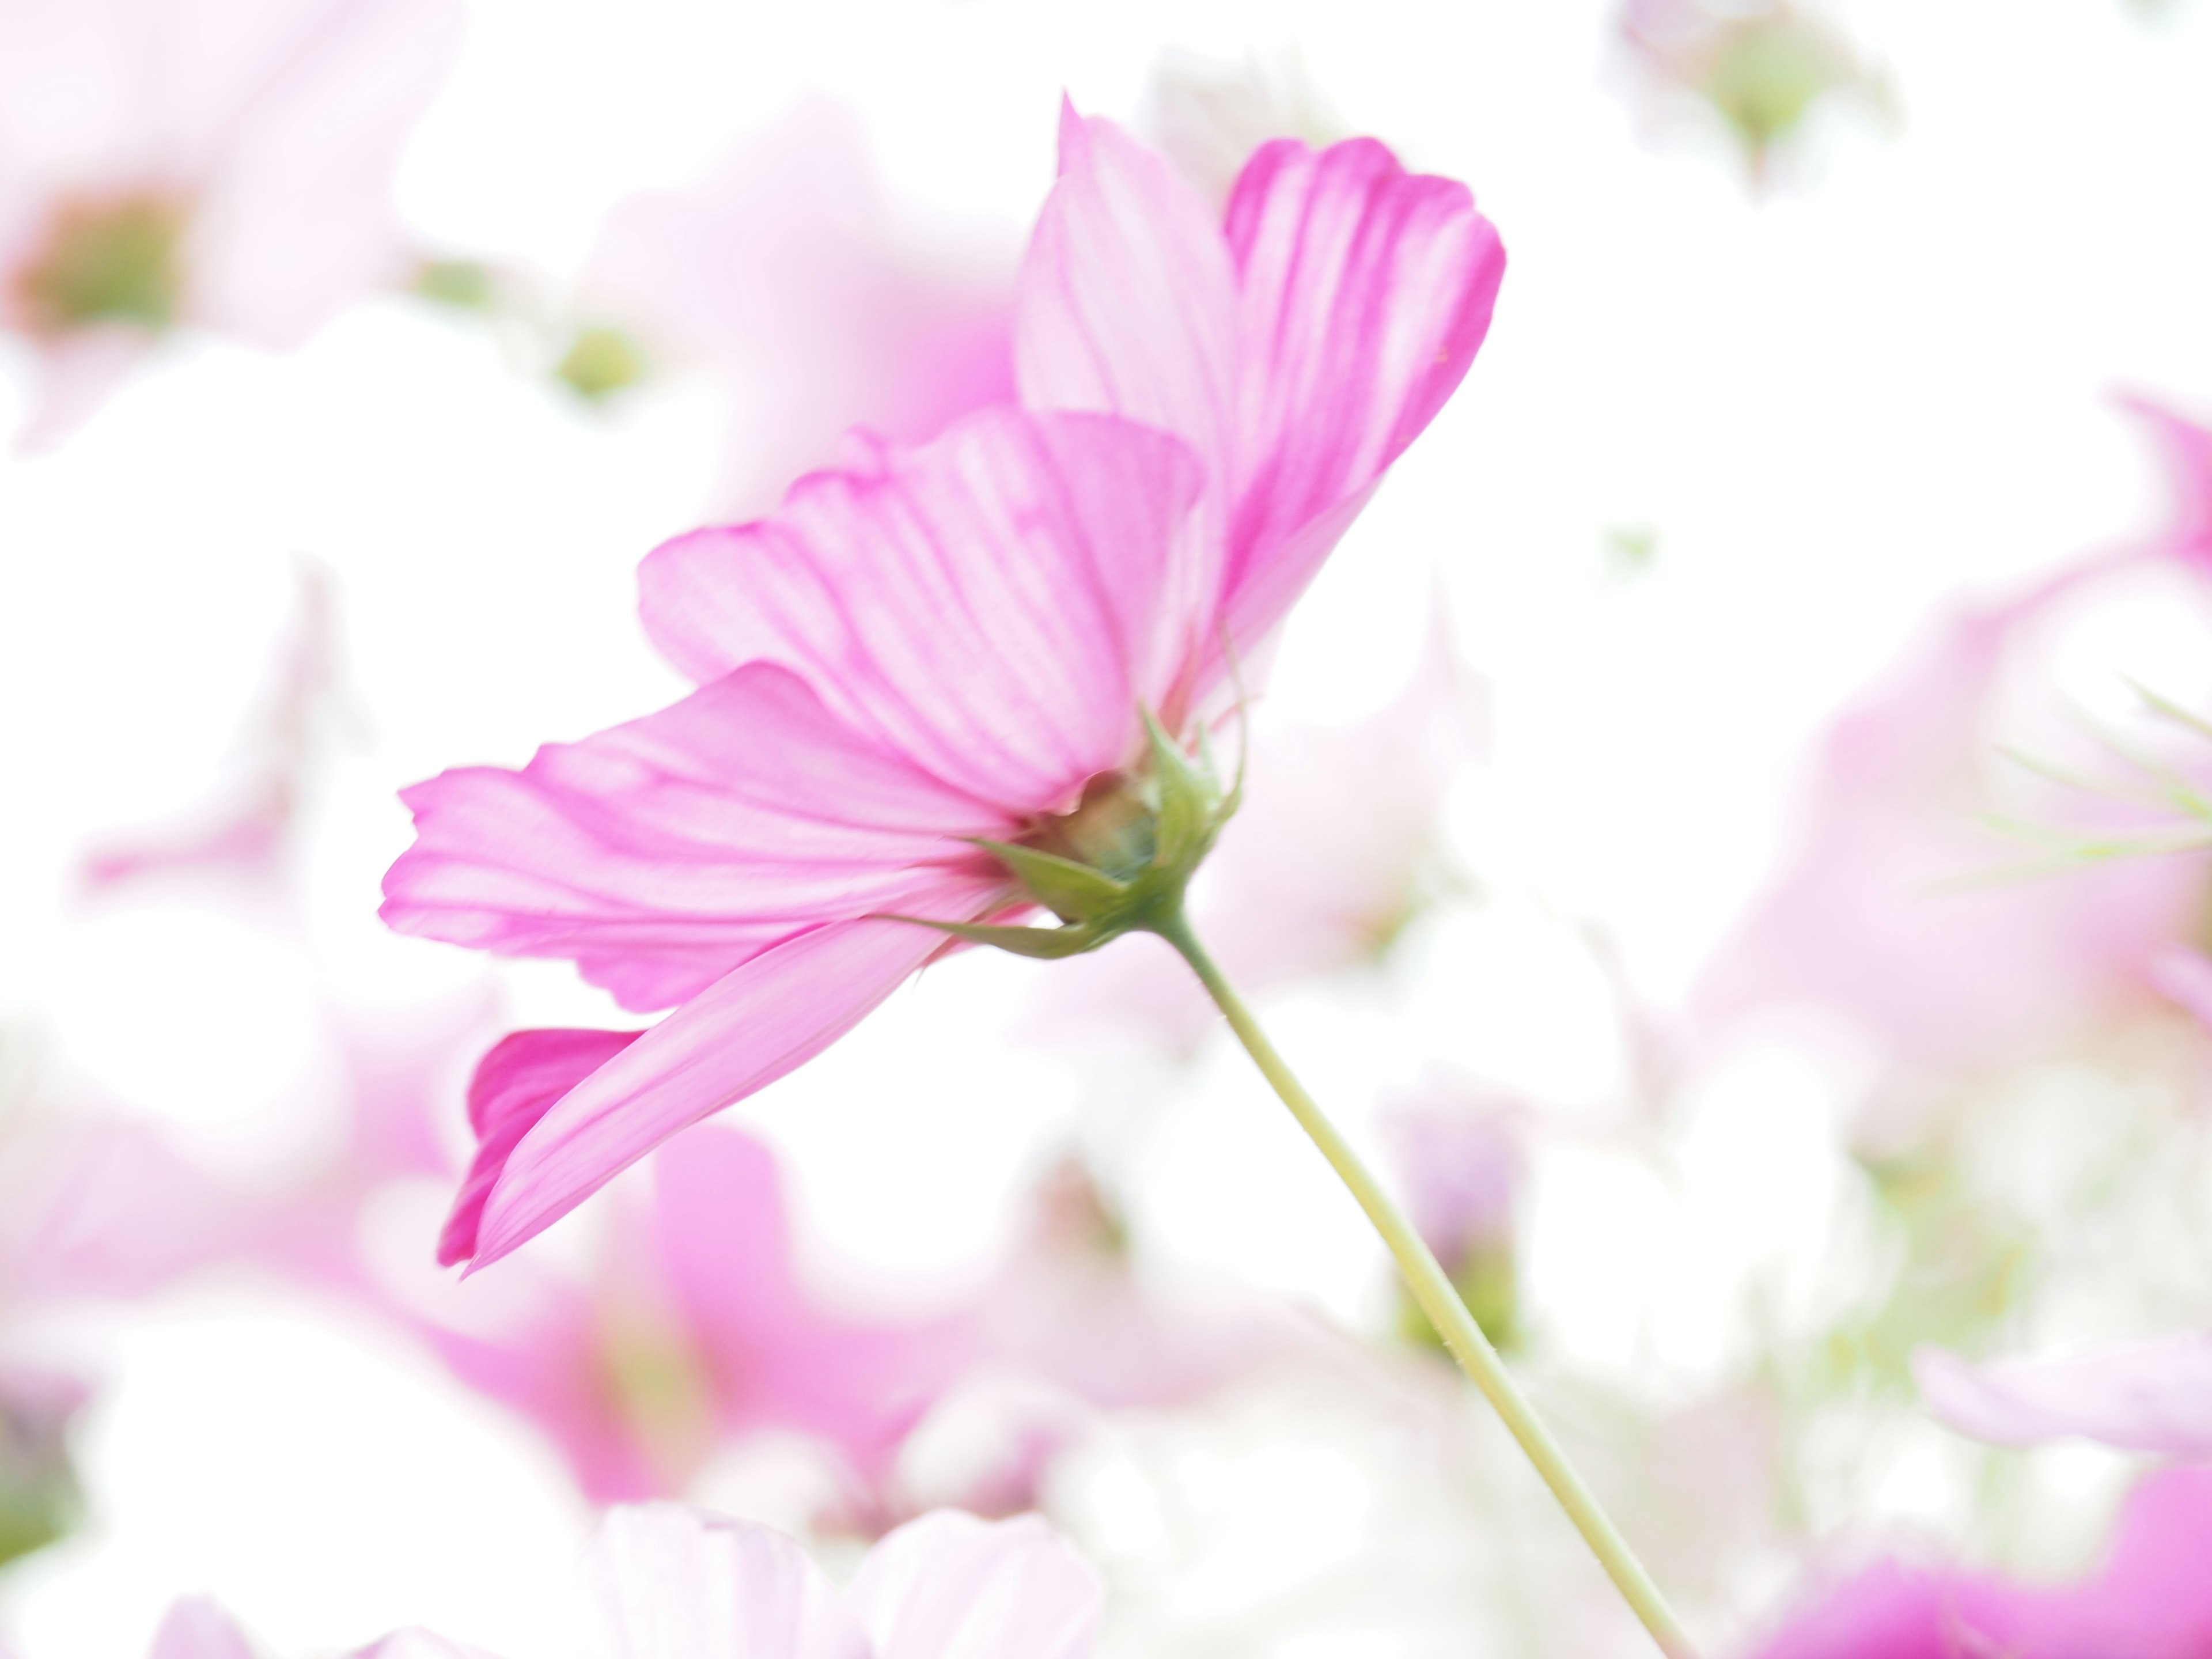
{"x": 953, "y": 641}
{"x": 1903, "y": 908}
{"x": 2151, "y": 1599}
{"x": 817, "y": 302}
{"x": 2153, "y": 1396}
{"x": 223, "y": 164}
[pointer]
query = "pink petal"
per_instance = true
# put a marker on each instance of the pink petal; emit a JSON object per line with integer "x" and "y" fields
{"x": 949, "y": 1586}
{"x": 1127, "y": 306}
{"x": 989, "y": 606}
{"x": 196, "y": 1628}
{"x": 661, "y": 854}
{"x": 680, "y": 1583}
{"x": 1365, "y": 292}
{"x": 725, "y": 1242}
{"x": 2143, "y": 1396}
{"x": 758, "y": 1021}
{"x": 515, "y": 1085}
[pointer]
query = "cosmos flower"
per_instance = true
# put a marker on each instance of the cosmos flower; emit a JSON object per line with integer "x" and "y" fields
{"x": 953, "y": 643}
{"x": 215, "y": 164}
{"x": 2151, "y": 1599}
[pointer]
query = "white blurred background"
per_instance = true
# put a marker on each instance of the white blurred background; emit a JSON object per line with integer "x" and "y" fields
{"x": 1823, "y": 405}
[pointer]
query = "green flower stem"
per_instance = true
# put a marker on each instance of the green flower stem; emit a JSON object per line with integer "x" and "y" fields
{"x": 1433, "y": 1289}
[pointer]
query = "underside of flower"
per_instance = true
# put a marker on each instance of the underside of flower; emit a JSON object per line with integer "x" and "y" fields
{"x": 107, "y": 259}
{"x": 1120, "y": 861}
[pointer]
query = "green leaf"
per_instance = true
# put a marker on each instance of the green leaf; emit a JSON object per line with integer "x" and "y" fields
{"x": 1072, "y": 892}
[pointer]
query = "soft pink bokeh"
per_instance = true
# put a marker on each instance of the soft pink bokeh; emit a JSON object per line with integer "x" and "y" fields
{"x": 2151, "y": 1599}
{"x": 272, "y": 126}
{"x": 1904, "y": 910}
{"x": 817, "y": 300}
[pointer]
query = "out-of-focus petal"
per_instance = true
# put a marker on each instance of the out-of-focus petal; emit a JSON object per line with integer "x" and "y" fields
{"x": 298, "y": 218}
{"x": 662, "y": 854}
{"x": 950, "y": 1586}
{"x": 990, "y": 604}
{"x": 1363, "y": 293}
{"x": 821, "y": 304}
{"x": 2186, "y": 449}
{"x": 2183, "y": 975}
{"x": 679, "y": 1583}
{"x": 515, "y": 1085}
{"x": 1879, "y": 914}
{"x": 196, "y": 1628}
{"x": 2151, "y": 1599}
{"x": 749, "y": 1028}
{"x": 2142, "y": 1396}
{"x": 724, "y": 1238}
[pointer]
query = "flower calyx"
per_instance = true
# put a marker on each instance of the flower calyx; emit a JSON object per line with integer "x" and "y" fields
{"x": 1120, "y": 862}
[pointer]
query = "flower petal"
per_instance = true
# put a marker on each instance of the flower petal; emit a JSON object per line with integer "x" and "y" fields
{"x": 196, "y": 1628}
{"x": 680, "y": 1583}
{"x": 662, "y": 854}
{"x": 988, "y": 604}
{"x": 2141, "y": 1396}
{"x": 724, "y": 1240}
{"x": 1363, "y": 293}
{"x": 515, "y": 1085}
{"x": 1127, "y": 306}
{"x": 749, "y": 1028}
{"x": 950, "y": 1586}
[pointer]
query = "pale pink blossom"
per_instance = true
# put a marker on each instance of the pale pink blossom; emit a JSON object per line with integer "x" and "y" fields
{"x": 2150, "y": 1598}
{"x": 1904, "y": 907}
{"x": 820, "y": 302}
{"x": 679, "y": 1583}
{"x": 1338, "y": 847}
{"x": 216, "y": 164}
{"x": 2151, "y": 1396}
{"x": 954, "y": 640}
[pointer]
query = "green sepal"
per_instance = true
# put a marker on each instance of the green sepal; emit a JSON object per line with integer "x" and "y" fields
{"x": 1186, "y": 799}
{"x": 1072, "y": 892}
{"x": 1045, "y": 943}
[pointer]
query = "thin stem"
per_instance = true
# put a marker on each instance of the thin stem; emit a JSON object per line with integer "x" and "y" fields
{"x": 1432, "y": 1289}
